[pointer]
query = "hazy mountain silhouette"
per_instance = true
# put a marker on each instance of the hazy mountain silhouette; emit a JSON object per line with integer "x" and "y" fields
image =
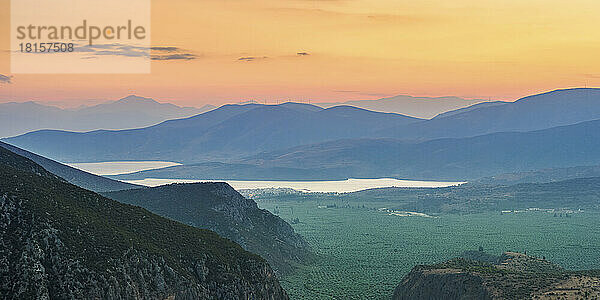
{"x": 129, "y": 112}
{"x": 419, "y": 107}
{"x": 227, "y": 132}
{"x": 301, "y": 141}
{"x": 444, "y": 159}
{"x": 556, "y": 108}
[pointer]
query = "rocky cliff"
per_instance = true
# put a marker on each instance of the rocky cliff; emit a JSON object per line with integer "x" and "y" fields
{"x": 58, "y": 241}
{"x": 218, "y": 207}
{"x": 511, "y": 276}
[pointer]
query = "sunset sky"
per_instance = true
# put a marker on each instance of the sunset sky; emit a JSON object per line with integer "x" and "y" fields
{"x": 317, "y": 51}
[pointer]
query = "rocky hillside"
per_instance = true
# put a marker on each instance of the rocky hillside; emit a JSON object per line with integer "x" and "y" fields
{"x": 59, "y": 241}
{"x": 218, "y": 207}
{"x": 511, "y": 276}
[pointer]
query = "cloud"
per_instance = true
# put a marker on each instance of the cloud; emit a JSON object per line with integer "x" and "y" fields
{"x": 114, "y": 49}
{"x": 5, "y": 79}
{"x": 251, "y": 58}
{"x": 164, "y": 53}
{"x": 179, "y": 56}
{"x": 158, "y": 53}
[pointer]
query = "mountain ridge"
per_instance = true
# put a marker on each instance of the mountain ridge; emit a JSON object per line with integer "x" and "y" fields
{"x": 63, "y": 242}
{"x": 129, "y": 112}
{"x": 225, "y": 133}
{"x": 75, "y": 176}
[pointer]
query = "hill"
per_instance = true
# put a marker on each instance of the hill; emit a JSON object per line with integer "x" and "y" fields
{"x": 231, "y": 131}
{"x": 418, "y": 107}
{"x": 562, "y": 198}
{"x": 573, "y": 194}
{"x": 129, "y": 112}
{"x": 75, "y": 176}
{"x": 456, "y": 159}
{"x": 60, "y": 241}
{"x": 542, "y": 111}
{"x": 218, "y": 207}
{"x": 514, "y": 276}
{"x": 541, "y": 176}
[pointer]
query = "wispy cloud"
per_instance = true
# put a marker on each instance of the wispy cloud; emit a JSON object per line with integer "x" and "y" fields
{"x": 5, "y": 79}
{"x": 158, "y": 53}
{"x": 114, "y": 49}
{"x": 252, "y": 58}
{"x": 258, "y": 58}
{"x": 171, "y": 53}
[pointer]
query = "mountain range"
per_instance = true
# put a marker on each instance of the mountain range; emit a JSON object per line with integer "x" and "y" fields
{"x": 60, "y": 241}
{"x": 551, "y": 109}
{"x": 129, "y": 112}
{"x": 440, "y": 159}
{"x": 231, "y": 131}
{"x": 418, "y": 107}
{"x": 214, "y": 206}
{"x": 557, "y": 129}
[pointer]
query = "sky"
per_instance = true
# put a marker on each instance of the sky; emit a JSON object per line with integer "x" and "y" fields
{"x": 334, "y": 50}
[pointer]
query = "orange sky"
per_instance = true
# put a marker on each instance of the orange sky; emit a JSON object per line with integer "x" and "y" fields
{"x": 359, "y": 49}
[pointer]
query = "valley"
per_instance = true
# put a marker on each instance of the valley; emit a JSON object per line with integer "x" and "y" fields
{"x": 365, "y": 251}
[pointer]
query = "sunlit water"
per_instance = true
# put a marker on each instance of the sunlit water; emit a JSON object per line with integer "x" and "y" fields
{"x": 121, "y": 167}
{"x": 341, "y": 186}
{"x": 332, "y": 186}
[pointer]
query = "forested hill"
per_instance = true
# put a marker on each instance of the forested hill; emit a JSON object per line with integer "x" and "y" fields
{"x": 60, "y": 241}
{"x": 218, "y": 207}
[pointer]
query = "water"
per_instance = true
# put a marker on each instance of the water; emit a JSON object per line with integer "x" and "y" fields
{"x": 332, "y": 186}
{"x": 121, "y": 167}
{"x": 341, "y": 186}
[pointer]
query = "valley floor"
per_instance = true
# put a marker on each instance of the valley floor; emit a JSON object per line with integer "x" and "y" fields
{"x": 365, "y": 251}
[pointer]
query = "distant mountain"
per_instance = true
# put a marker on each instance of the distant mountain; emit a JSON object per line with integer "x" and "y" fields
{"x": 418, "y": 107}
{"x": 552, "y": 109}
{"x": 218, "y": 207}
{"x": 75, "y": 176}
{"x": 572, "y": 194}
{"x": 442, "y": 159}
{"x": 513, "y": 276}
{"x": 229, "y": 132}
{"x": 129, "y": 112}
{"x": 541, "y": 176}
{"x": 60, "y": 241}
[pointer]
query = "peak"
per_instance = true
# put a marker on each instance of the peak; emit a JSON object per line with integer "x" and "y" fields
{"x": 136, "y": 99}
{"x": 296, "y": 105}
{"x": 582, "y": 92}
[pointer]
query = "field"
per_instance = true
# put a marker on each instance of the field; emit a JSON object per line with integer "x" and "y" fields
{"x": 365, "y": 252}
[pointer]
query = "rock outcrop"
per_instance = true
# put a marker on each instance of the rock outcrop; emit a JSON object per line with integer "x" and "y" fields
{"x": 512, "y": 276}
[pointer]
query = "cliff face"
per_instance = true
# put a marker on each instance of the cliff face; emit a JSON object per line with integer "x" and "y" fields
{"x": 58, "y": 241}
{"x": 511, "y": 276}
{"x": 422, "y": 283}
{"x": 218, "y": 207}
